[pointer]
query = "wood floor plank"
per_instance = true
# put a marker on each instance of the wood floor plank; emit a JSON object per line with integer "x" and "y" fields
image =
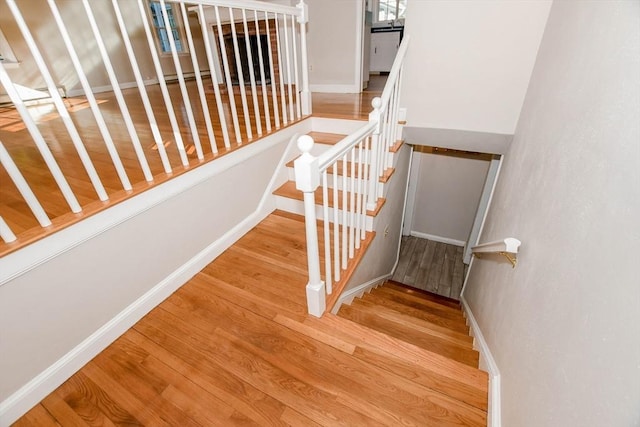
{"x": 411, "y": 274}
{"x": 37, "y": 416}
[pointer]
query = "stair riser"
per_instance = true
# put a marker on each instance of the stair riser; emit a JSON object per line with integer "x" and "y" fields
{"x": 297, "y": 207}
{"x": 291, "y": 177}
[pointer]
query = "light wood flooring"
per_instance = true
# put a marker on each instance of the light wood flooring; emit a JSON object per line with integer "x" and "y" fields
{"x": 431, "y": 266}
{"x": 234, "y": 346}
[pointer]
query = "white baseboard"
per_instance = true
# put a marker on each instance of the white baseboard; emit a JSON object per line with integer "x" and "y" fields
{"x": 438, "y": 238}
{"x": 358, "y": 291}
{"x": 334, "y": 88}
{"x": 488, "y": 363}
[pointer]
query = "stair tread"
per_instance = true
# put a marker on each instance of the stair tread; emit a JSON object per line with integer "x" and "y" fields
{"x": 289, "y": 190}
{"x": 423, "y": 325}
{"x": 365, "y": 315}
{"x": 425, "y": 294}
{"x": 420, "y": 313}
{"x": 327, "y": 138}
{"x": 418, "y": 301}
{"x": 446, "y": 370}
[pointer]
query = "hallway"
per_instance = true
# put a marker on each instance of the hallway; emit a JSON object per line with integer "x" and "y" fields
{"x": 431, "y": 266}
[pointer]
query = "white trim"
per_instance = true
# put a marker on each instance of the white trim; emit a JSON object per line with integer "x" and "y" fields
{"x": 129, "y": 85}
{"x": 412, "y": 188}
{"x": 440, "y": 239}
{"x": 359, "y": 54}
{"x": 488, "y": 363}
{"x": 332, "y": 88}
{"x": 19, "y": 262}
{"x": 348, "y": 296}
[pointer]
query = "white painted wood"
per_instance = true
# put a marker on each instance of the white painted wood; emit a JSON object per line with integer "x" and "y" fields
{"x": 327, "y": 234}
{"x": 6, "y": 234}
{"x": 483, "y": 207}
{"x": 214, "y": 77}
{"x": 181, "y": 82}
{"x": 177, "y": 136}
{"x": 356, "y": 292}
{"x": 252, "y": 77}
{"x": 274, "y": 83}
{"x": 288, "y": 66}
{"x": 23, "y": 187}
{"x": 487, "y": 363}
{"x": 263, "y": 83}
{"x": 336, "y": 228}
{"x": 243, "y": 91}
{"x": 155, "y": 131}
{"x": 126, "y": 116}
{"x": 57, "y": 174}
{"x": 303, "y": 18}
{"x": 196, "y": 69}
{"x": 296, "y": 78}
{"x": 285, "y": 118}
{"x": 57, "y": 100}
{"x": 227, "y": 76}
{"x": 509, "y": 244}
{"x": 412, "y": 186}
{"x": 435, "y": 238}
{"x": 384, "y": 48}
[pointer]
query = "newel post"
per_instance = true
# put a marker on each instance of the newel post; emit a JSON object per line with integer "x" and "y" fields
{"x": 374, "y": 167}
{"x": 307, "y": 174}
{"x": 305, "y": 94}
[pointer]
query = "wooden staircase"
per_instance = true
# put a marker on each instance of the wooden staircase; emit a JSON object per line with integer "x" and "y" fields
{"x": 234, "y": 346}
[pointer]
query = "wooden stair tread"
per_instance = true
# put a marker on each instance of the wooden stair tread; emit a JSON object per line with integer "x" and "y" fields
{"x": 326, "y": 137}
{"x": 425, "y": 294}
{"x": 289, "y": 190}
{"x": 366, "y": 316}
{"x": 420, "y": 313}
{"x": 418, "y": 301}
{"x": 422, "y": 325}
{"x": 444, "y": 369}
{"x": 396, "y": 146}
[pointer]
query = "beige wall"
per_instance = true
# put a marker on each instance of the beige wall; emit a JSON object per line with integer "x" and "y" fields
{"x": 469, "y": 62}
{"x": 332, "y": 43}
{"x": 564, "y": 325}
{"x": 447, "y": 192}
{"x": 38, "y": 16}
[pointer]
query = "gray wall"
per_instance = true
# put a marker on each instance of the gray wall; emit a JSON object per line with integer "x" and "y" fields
{"x": 564, "y": 325}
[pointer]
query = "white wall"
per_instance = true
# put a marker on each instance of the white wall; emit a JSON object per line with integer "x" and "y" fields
{"x": 334, "y": 47}
{"x": 564, "y": 325}
{"x": 469, "y": 62}
{"x": 447, "y": 193}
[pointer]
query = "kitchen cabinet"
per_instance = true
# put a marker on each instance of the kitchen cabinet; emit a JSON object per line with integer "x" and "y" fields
{"x": 384, "y": 46}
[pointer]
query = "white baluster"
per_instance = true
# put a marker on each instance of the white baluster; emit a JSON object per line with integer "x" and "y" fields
{"x": 252, "y": 74}
{"x": 288, "y": 66}
{"x": 181, "y": 82}
{"x": 155, "y": 131}
{"x": 5, "y": 232}
{"x": 303, "y": 18}
{"x": 59, "y": 104}
{"x": 374, "y": 117}
{"x": 327, "y": 233}
{"x": 177, "y": 136}
{"x": 214, "y": 77}
{"x": 48, "y": 158}
{"x": 345, "y": 213}
{"x": 274, "y": 83}
{"x": 359, "y": 209}
{"x": 296, "y": 79}
{"x": 336, "y": 224}
{"x": 265, "y": 99}
{"x": 281, "y": 70}
{"x": 243, "y": 92}
{"x": 23, "y": 187}
{"x": 196, "y": 69}
{"x": 352, "y": 204}
{"x": 227, "y": 76}
{"x": 307, "y": 176}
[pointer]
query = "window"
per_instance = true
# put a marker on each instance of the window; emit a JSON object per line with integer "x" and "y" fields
{"x": 390, "y": 10}
{"x": 161, "y": 30}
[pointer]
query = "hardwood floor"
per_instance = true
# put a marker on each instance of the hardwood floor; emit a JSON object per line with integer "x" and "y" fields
{"x": 22, "y": 149}
{"x": 234, "y": 346}
{"x": 432, "y": 266}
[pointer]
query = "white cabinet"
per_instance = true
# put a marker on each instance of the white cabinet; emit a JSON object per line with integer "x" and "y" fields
{"x": 384, "y": 46}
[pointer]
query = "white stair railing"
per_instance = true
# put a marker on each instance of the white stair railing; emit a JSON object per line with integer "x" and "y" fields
{"x": 345, "y": 181}
{"x": 255, "y": 62}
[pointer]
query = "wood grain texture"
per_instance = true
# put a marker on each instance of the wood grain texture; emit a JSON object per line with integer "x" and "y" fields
{"x": 234, "y": 346}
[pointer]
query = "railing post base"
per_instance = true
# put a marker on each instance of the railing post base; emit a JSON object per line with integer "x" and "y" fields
{"x": 316, "y": 300}
{"x": 305, "y": 99}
